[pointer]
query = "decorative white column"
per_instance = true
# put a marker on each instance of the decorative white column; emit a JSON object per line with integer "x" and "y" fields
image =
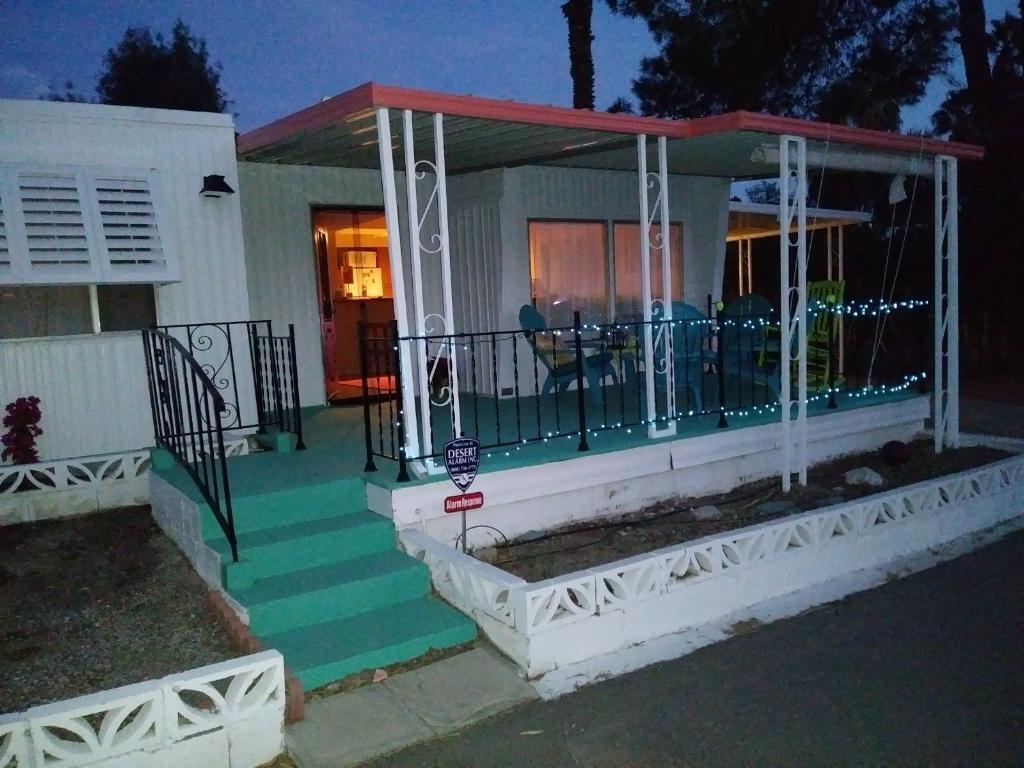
{"x": 946, "y": 396}
{"x": 427, "y": 321}
{"x": 387, "y": 175}
{"x": 658, "y": 359}
{"x": 793, "y": 306}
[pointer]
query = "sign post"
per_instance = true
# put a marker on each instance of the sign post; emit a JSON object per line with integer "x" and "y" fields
{"x": 462, "y": 462}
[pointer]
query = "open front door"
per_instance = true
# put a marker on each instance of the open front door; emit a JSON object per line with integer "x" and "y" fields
{"x": 354, "y": 278}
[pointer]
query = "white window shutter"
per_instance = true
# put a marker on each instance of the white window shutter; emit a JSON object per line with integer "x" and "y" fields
{"x": 67, "y": 225}
{"x": 128, "y": 225}
{"x": 55, "y": 226}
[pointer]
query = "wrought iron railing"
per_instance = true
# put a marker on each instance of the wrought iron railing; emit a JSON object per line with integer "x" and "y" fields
{"x": 277, "y": 382}
{"x": 254, "y": 371}
{"x": 562, "y": 383}
{"x": 188, "y": 411}
{"x": 570, "y": 382}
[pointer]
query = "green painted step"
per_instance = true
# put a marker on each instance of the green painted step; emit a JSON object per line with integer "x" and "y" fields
{"x": 325, "y": 652}
{"x": 334, "y": 591}
{"x": 290, "y": 505}
{"x": 297, "y": 546}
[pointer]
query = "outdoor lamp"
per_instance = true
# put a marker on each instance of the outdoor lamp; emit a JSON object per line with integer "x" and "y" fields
{"x": 215, "y": 186}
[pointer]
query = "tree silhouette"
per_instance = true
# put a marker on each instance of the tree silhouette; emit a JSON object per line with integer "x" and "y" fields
{"x": 849, "y": 61}
{"x": 144, "y": 70}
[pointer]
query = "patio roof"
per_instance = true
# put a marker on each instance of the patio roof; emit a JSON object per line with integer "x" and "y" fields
{"x": 488, "y": 133}
{"x": 754, "y": 220}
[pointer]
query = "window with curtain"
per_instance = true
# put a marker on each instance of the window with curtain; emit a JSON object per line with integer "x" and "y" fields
{"x": 568, "y": 270}
{"x": 628, "y": 285}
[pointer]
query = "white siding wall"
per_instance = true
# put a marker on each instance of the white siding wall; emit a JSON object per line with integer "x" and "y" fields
{"x": 93, "y": 388}
{"x": 93, "y": 391}
{"x": 475, "y": 228}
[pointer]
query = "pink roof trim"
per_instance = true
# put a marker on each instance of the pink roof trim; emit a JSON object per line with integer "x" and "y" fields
{"x": 374, "y": 95}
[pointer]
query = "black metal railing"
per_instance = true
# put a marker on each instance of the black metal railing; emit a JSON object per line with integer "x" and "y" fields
{"x": 254, "y": 371}
{"x": 561, "y": 383}
{"x": 188, "y": 411}
{"x": 547, "y": 384}
{"x": 277, "y": 382}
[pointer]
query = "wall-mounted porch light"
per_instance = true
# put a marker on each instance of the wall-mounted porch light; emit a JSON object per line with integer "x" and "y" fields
{"x": 215, "y": 186}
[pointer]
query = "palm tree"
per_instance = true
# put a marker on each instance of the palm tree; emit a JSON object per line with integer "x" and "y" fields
{"x": 578, "y": 14}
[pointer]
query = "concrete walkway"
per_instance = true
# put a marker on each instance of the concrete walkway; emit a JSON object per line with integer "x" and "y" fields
{"x": 349, "y": 728}
{"x": 926, "y": 670}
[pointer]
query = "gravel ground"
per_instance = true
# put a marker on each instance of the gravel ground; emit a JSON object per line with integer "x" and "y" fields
{"x": 594, "y": 543}
{"x": 98, "y": 601}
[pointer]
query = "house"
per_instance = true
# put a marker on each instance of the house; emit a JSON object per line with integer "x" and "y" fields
{"x": 542, "y": 279}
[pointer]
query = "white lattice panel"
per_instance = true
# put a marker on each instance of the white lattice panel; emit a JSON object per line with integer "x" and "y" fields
{"x": 73, "y": 473}
{"x": 155, "y": 716}
{"x": 462, "y": 578}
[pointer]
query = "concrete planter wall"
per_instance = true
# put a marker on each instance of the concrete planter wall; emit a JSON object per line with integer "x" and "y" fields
{"x": 228, "y": 715}
{"x": 53, "y": 489}
{"x": 584, "y": 615}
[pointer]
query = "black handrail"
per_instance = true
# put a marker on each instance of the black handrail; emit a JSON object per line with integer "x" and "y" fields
{"x": 187, "y": 412}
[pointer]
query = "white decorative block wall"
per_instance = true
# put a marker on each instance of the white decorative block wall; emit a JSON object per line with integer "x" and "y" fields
{"x": 227, "y": 715}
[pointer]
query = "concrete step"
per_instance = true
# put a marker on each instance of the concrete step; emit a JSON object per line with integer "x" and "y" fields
{"x": 290, "y": 505}
{"x": 314, "y": 595}
{"x": 328, "y": 651}
{"x": 298, "y": 546}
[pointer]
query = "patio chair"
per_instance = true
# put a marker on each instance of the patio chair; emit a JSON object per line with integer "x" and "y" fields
{"x": 748, "y": 350}
{"x": 690, "y": 351}
{"x": 560, "y": 359}
{"x": 822, "y": 330}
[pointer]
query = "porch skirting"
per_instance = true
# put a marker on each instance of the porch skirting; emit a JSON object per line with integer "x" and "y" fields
{"x": 592, "y": 485}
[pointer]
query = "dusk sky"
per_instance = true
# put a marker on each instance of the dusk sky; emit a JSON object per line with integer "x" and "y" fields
{"x": 279, "y": 57}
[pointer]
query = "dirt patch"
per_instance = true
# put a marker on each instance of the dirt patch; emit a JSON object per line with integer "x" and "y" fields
{"x": 95, "y": 602}
{"x": 595, "y": 543}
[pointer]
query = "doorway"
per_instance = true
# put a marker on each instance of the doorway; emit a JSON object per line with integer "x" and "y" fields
{"x": 354, "y": 283}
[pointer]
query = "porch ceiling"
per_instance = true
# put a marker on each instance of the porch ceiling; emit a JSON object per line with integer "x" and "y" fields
{"x": 487, "y": 133}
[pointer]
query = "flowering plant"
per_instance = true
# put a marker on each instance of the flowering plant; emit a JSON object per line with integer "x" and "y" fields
{"x": 22, "y": 422}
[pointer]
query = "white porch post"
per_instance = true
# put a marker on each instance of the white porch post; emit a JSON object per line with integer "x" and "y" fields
{"x": 793, "y": 162}
{"x": 653, "y": 366}
{"x": 431, "y": 323}
{"x": 946, "y": 397}
{"x": 387, "y": 175}
{"x": 665, "y": 236}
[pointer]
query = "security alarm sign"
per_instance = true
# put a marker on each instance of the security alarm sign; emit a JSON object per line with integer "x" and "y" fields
{"x": 462, "y": 460}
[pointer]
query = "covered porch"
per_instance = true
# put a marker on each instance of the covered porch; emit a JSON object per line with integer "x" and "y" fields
{"x": 476, "y": 348}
